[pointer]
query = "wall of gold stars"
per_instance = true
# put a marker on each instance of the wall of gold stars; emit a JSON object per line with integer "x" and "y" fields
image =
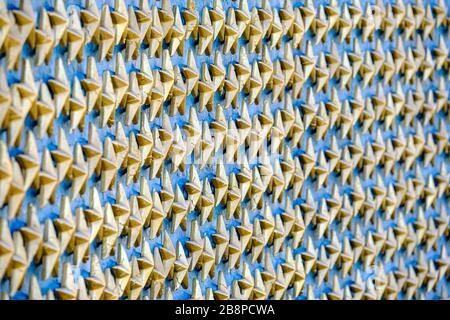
{"x": 247, "y": 149}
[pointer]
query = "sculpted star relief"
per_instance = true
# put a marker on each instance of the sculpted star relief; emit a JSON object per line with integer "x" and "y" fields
{"x": 225, "y": 149}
